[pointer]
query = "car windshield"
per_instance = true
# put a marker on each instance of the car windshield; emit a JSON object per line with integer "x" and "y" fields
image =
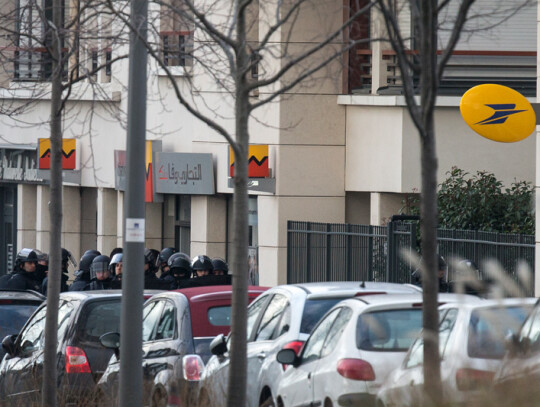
{"x": 100, "y": 318}
{"x": 13, "y": 316}
{"x": 392, "y": 330}
{"x": 489, "y": 327}
{"x": 314, "y": 310}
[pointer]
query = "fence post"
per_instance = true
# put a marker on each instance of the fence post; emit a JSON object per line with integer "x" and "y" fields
{"x": 348, "y": 251}
{"x": 308, "y": 252}
{"x": 370, "y": 253}
{"x": 389, "y": 249}
{"x": 413, "y": 247}
{"x": 328, "y": 251}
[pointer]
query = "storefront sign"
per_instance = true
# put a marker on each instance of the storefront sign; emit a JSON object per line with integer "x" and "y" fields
{"x": 257, "y": 161}
{"x": 184, "y": 173}
{"x": 69, "y": 153}
{"x": 19, "y": 163}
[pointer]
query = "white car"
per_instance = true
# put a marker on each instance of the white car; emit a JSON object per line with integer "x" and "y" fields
{"x": 352, "y": 350}
{"x": 281, "y": 317}
{"x": 471, "y": 344}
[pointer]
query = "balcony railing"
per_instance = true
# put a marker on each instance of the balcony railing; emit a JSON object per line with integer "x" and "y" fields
{"x": 33, "y": 64}
{"x": 464, "y": 70}
{"x": 177, "y": 47}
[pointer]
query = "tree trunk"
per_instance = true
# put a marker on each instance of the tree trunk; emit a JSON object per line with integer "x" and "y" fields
{"x": 49, "y": 396}
{"x": 236, "y": 394}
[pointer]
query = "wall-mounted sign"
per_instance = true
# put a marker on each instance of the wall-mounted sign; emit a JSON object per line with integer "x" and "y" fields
{"x": 120, "y": 170}
{"x": 498, "y": 113}
{"x": 69, "y": 154}
{"x": 184, "y": 173}
{"x": 18, "y": 163}
{"x": 257, "y": 162}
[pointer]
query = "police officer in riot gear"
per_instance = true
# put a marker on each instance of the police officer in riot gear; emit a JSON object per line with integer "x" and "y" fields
{"x": 181, "y": 270}
{"x": 220, "y": 266}
{"x": 24, "y": 276}
{"x": 67, "y": 258}
{"x": 163, "y": 258}
{"x": 202, "y": 266}
{"x": 151, "y": 281}
{"x": 100, "y": 275}
{"x": 82, "y": 276}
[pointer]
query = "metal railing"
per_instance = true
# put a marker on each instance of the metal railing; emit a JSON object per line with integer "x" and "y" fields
{"x": 336, "y": 252}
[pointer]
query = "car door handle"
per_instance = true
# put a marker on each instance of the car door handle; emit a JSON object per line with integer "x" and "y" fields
{"x": 261, "y": 355}
{"x": 309, "y": 375}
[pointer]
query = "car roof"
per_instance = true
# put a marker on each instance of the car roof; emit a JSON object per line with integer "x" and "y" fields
{"x": 388, "y": 299}
{"x": 493, "y": 303}
{"x": 344, "y": 289}
{"x": 214, "y": 292}
{"x": 8, "y": 294}
{"x": 81, "y": 295}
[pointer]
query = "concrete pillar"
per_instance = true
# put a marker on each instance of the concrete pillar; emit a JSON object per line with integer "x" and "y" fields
{"x": 208, "y": 225}
{"x": 88, "y": 219}
{"x": 106, "y": 220}
{"x": 383, "y": 206}
{"x": 357, "y": 208}
{"x": 71, "y": 220}
{"x": 153, "y": 225}
{"x": 26, "y": 216}
{"x": 43, "y": 222}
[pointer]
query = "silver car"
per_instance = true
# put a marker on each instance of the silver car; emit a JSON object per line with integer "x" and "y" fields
{"x": 282, "y": 317}
{"x": 352, "y": 350}
{"x": 471, "y": 344}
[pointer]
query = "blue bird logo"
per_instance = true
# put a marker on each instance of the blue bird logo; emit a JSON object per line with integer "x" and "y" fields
{"x": 502, "y": 112}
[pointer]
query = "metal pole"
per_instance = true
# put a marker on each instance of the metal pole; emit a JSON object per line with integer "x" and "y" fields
{"x": 131, "y": 381}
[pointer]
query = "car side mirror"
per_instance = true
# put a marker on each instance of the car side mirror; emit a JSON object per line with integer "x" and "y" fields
{"x": 218, "y": 346}
{"x": 288, "y": 357}
{"x": 111, "y": 340}
{"x": 8, "y": 344}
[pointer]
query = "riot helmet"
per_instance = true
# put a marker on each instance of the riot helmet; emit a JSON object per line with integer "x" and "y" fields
{"x": 92, "y": 251}
{"x": 220, "y": 266}
{"x": 43, "y": 262}
{"x": 116, "y": 261}
{"x": 67, "y": 257}
{"x": 164, "y": 257}
{"x": 201, "y": 265}
{"x": 180, "y": 266}
{"x": 151, "y": 258}
{"x": 87, "y": 258}
{"x": 26, "y": 255}
{"x": 100, "y": 268}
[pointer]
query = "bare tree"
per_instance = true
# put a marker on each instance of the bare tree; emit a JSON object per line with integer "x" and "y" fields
{"x": 43, "y": 52}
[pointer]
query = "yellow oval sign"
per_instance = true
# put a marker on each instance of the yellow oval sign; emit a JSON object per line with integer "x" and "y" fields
{"x": 498, "y": 113}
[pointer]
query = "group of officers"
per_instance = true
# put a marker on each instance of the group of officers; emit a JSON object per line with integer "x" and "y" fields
{"x": 167, "y": 269}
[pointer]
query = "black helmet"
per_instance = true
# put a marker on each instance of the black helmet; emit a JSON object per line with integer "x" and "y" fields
{"x": 68, "y": 257}
{"x": 150, "y": 258}
{"x": 177, "y": 255}
{"x": 117, "y": 258}
{"x": 92, "y": 251}
{"x": 180, "y": 266}
{"x": 164, "y": 255}
{"x": 41, "y": 256}
{"x": 25, "y": 255}
{"x": 220, "y": 264}
{"x": 100, "y": 263}
{"x": 87, "y": 259}
{"x": 202, "y": 262}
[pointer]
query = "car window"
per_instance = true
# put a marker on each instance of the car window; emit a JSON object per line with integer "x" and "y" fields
{"x": 284, "y": 323}
{"x": 488, "y": 329}
{"x": 64, "y": 314}
{"x": 30, "y": 337}
{"x": 416, "y": 354}
{"x": 271, "y": 317}
{"x": 220, "y": 316}
{"x": 313, "y": 312}
{"x": 530, "y": 332}
{"x": 254, "y": 310}
{"x": 13, "y": 317}
{"x": 391, "y": 330}
{"x": 445, "y": 329}
{"x": 151, "y": 317}
{"x": 314, "y": 344}
{"x": 100, "y": 317}
{"x": 167, "y": 322}
{"x": 336, "y": 330}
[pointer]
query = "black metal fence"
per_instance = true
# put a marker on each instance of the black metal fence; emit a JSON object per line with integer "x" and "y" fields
{"x": 335, "y": 252}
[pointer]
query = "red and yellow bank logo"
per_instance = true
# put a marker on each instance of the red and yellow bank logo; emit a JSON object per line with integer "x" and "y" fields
{"x": 257, "y": 161}
{"x": 69, "y": 154}
{"x": 498, "y": 113}
{"x": 149, "y": 179}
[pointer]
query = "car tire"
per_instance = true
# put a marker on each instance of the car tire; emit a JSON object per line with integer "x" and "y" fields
{"x": 328, "y": 403}
{"x": 268, "y": 402}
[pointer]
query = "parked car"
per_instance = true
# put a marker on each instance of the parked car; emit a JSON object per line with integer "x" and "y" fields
{"x": 471, "y": 343}
{"x": 177, "y": 329}
{"x": 515, "y": 382}
{"x": 16, "y": 306}
{"x": 281, "y": 317}
{"x": 83, "y": 317}
{"x": 352, "y": 350}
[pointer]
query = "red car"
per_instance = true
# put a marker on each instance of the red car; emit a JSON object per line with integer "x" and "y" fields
{"x": 178, "y": 327}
